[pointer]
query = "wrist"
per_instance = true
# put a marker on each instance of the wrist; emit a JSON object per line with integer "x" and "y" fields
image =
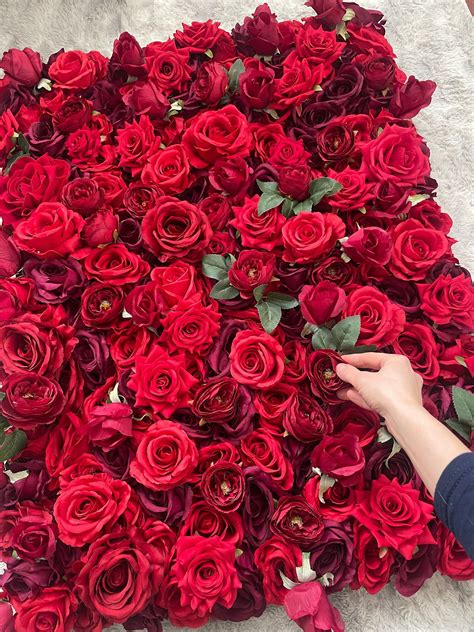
{"x": 398, "y": 414}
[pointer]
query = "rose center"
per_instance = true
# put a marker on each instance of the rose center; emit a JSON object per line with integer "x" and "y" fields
{"x": 328, "y": 375}
{"x": 225, "y": 488}
{"x": 105, "y": 306}
{"x": 296, "y": 521}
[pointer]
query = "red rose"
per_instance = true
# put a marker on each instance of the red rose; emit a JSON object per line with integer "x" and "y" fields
{"x": 232, "y": 176}
{"x": 352, "y": 419}
{"x": 258, "y": 231}
{"x": 9, "y": 256}
{"x": 83, "y": 146}
{"x": 256, "y": 84}
{"x": 272, "y": 558}
{"x": 449, "y": 301}
{"x": 294, "y": 181}
{"x": 410, "y": 98}
{"x": 330, "y": 13}
{"x": 308, "y": 605}
{"x": 216, "y": 134}
{"x": 309, "y": 236}
{"x": 371, "y": 245}
{"x": 381, "y": 320}
{"x": 135, "y": 142}
{"x": 121, "y": 572}
{"x": 64, "y": 443}
{"x": 176, "y": 228}
{"x": 161, "y": 382}
{"x": 297, "y": 82}
{"x": 73, "y": 70}
{"x": 53, "y": 607}
{"x": 366, "y": 40}
{"x": 101, "y": 228}
{"x": 256, "y": 359}
{"x": 453, "y": 560}
{"x": 272, "y": 404}
{"x": 52, "y": 230}
{"x": 7, "y": 617}
{"x": 175, "y": 281}
{"x": 376, "y": 563}
{"x": 396, "y": 155}
{"x": 418, "y": 344}
{"x": 251, "y": 269}
{"x": 321, "y": 302}
{"x": 145, "y": 98}
{"x": 260, "y": 448}
{"x": 191, "y": 326}
{"x": 318, "y": 45}
{"x": 101, "y": 305}
{"x": 336, "y": 503}
{"x": 30, "y": 182}
{"x": 115, "y": 265}
{"x": 168, "y": 169}
{"x": 211, "y": 83}
{"x": 296, "y": 521}
{"x": 415, "y": 249}
{"x": 8, "y": 127}
{"x": 395, "y": 515}
{"x": 198, "y": 37}
{"x": 205, "y": 520}
{"x": 108, "y": 426}
{"x": 28, "y": 530}
{"x": 145, "y": 304}
{"x": 22, "y": 66}
{"x": 341, "y": 457}
{"x": 31, "y": 400}
{"x": 88, "y": 506}
{"x": 167, "y": 66}
{"x": 305, "y": 419}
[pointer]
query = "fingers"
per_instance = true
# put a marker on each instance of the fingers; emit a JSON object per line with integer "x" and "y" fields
{"x": 368, "y": 360}
{"x": 348, "y": 373}
{"x": 351, "y": 395}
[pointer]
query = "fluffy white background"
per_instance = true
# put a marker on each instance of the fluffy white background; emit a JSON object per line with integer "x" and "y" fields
{"x": 433, "y": 40}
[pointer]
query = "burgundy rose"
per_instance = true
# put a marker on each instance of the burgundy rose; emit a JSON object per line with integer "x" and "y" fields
{"x": 295, "y": 520}
{"x": 321, "y": 371}
{"x": 56, "y": 280}
{"x": 334, "y": 553}
{"x": 22, "y": 66}
{"x": 305, "y": 419}
{"x": 411, "y": 97}
{"x": 222, "y": 486}
{"x": 258, "y": 35}
{"x": 370, "y": 244}
{"x": 329, "y": 12}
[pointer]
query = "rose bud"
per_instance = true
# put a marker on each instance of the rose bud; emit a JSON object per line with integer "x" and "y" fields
{"x": 258, "y": 35}
{"x": 9, "y": 256}
{"x": 22, "y": 66}
{"x": 82, "y": 195}
{"x": 211, "y": 83}
{"x": 223, "y": 486}
{"x": 371, "y": 244}
{"x": 128, "y": 57}
{"x": 305, "y": 419}
{"x": 145, "y": 304}
{"x": 101, "y": 228}
{"x": 251, "y": 269}
{"x": 101, "y": 305}
{"x": 321, "y": 371}
{"x": 319, "y": 303}
{"x": 294, "y": 181}
{"x": 231, "y": 175}
{"x": 307, "y": 604}
{"x": 341, "y": 457}
{"x": 412, "y": 97}
{"x": 256, "y": 84}
{"x": 295, "y": 520}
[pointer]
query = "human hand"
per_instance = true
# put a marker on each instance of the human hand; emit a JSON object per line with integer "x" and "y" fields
{"x": 389, "y": 385}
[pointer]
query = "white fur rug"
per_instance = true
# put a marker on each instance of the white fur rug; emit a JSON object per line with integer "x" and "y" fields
{"x": 433, "y": 40}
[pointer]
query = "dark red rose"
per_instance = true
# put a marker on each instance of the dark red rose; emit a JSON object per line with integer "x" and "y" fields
{"x": 31, "y": 400}
{"x": 218, "y": 210}
{"x": 72, "y": 114}
{"x": 341, "y": 457}
{"x": 309, "y": 236}
{"x": 145, "y": 98}
{"x": 9, "y": 256}
{"x": 22, "y": 66}
{"x": 379, "y": 71}
{"x": 256, "y": 84}
{"x": 101, "y": 305}
{"x": 256, "y": 359}
{"x": 381, "y": 320}
{"x": 371, "y": 245}
{"x": 415, "y": 249}
{"x": 448, "y": 301}
{"x": 410, "y": 98}
{"x": 82, "y": 195}
{"x": 376, "y": 564}
{"x": 277, "y": 555}
{"x": 308, "y": 605}
{"x": 294, "y": 181}
{"x": 211, "y": 83}
{"x": 145, "y": 304}
{"x": 413, "y": 573}
{"x": 321, "y": 302}
{"x": 430, "y": 215}
{"x": 223, "y": 486}
{"x": 23, "y": 580}
{"x": 120, "y": 574}
{"x": 329, "y": 13}
{"x": 168, "y": 170}
{"x": 176, "y": 229}
{"x": 335, "y": 142}
{"x": 139, "y": 198}
{"x": 334, "y": 553}
{"x": 54, "y": 606}
{"x": 216, "y": 134}
{"x": 453, "y": 560}
{"x": 260, "y": 448}
{"x": 296, "y": 521}
{"x": 321, "y": 372}
{"x": 51, "y": 231}
{"x": 232, "y": 176}
{"x": 258, "y": 35}
{"x": 89, "y": 506}
{"x": 352, "y": 419}
{"x": 251, "y": 269}
{"x": 305, "y": 419}
{"x": 127, "y": 57}
{"x": 395, "y": 515}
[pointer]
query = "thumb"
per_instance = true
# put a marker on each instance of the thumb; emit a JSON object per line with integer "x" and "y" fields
{"x": 349, "y": 374}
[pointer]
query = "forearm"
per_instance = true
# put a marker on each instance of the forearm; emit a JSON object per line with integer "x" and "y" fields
{"x": 429, "y": 445}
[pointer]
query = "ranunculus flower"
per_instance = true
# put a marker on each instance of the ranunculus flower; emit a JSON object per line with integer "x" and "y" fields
{"x": 305, "y": 419}
{"x": 165, "y": 457}
{"x": 251, "y": 269}
{"x": 101, "y": 305}
{"x": 222, "y": 485}
{"x": 341, "y": 457}
{"x": 297, "y": 521}
{"x": 211, "y": 83}
{"x": 308, "y": 606}
{"x": 101, "y": 228}
{"x": 321, "y": 371}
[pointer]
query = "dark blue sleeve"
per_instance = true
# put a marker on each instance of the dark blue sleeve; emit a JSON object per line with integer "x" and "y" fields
{"x": 454, "y": 500}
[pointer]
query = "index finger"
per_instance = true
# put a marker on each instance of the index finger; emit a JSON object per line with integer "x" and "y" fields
{"x": 369, "y": 360}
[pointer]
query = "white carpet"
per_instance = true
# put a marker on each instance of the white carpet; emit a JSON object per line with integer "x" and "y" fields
{"x": 433, "y": 40}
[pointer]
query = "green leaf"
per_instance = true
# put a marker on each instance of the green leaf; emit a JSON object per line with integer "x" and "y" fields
{"x": 304, "y": 206}
{"x": 259, "y": 292}
{"x": 462, "y": 428}
{"x": 11, "y": 444}
{"x": 321, "y": 187}
{"x": 23, "y": 144}
{"x": 283, "y": 300}
{"x": 235, "y": 71}
{"x": 223, "y": 291}
{"x": 323, "y": 339}
{"x": 215, "y": 267}
{"x": 270, "y": 315}
{"x": 267, "y": 187}
{"x": 464, "y": 405}
{"x": 268, "y": 201}
{"x": 12, "y": 159}
{"x": 346, "y": 332}
{"x": 287, "y": 207}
